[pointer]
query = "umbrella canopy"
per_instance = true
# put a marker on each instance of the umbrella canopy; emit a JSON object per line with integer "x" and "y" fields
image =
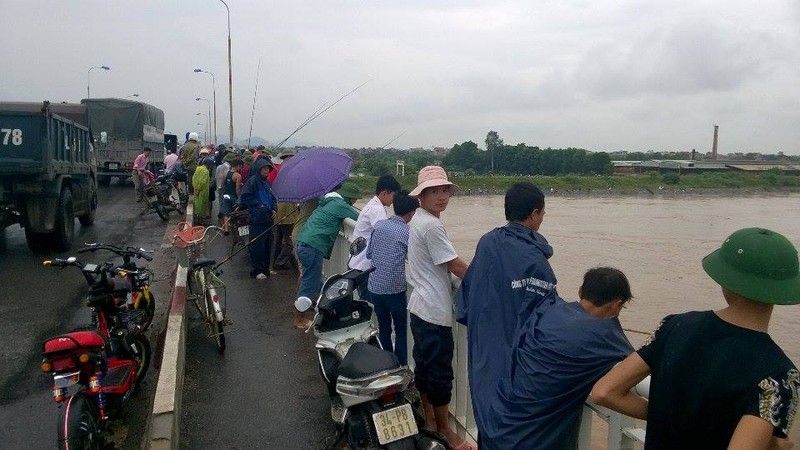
{"x": 311, "y": 174}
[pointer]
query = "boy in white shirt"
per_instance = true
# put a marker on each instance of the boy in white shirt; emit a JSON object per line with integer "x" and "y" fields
{"x": 373, "y": 211}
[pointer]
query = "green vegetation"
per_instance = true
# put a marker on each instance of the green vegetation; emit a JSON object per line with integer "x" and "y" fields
{"x": 493, "y": 170}
{"x": 625, "y": 183}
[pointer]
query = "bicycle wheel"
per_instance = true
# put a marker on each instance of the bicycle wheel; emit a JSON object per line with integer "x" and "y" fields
{"x": 216, "y": 325}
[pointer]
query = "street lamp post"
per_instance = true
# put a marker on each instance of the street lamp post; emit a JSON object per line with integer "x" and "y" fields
{"x": 208, "y": 122}
{"x": 214, "y": 90}
{"x": 209, "y": 116}
{"x": 230, "y": 71}
{"x": 89, "y": 78}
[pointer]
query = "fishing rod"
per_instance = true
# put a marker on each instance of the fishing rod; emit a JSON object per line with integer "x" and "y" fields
{"x": 253, "y": 112}
{"x": 395, "y": 138}
{"x": 320, "y": 112}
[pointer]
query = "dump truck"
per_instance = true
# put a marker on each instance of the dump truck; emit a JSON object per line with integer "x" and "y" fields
{"x": 122, "y": 128}
{"x": 48, "y": 171}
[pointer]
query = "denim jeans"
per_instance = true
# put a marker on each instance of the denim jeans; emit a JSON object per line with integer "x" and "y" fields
{"x": 311, "y": 270}
{"x": 391, "y": 308}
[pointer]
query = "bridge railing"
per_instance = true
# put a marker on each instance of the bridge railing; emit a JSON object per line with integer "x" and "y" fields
{"x": 622, "y": 431}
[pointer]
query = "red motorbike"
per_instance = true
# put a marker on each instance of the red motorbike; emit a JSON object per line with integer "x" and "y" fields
{"x": 105, "y": 364}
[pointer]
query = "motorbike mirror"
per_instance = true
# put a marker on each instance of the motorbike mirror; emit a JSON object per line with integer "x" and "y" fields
{"x": 303, "y": 304}
{"x": 358, "y": 246}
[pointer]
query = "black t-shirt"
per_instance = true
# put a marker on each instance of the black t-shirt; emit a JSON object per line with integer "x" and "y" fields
{"x": 707, "y": 374}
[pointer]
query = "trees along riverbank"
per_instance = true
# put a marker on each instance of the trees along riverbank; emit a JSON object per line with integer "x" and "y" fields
{"x": 653, "y": 183}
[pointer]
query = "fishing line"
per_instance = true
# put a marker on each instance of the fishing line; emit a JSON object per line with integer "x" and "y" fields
{"x": 395, "y": 138}
{"x": 253, "y": 112}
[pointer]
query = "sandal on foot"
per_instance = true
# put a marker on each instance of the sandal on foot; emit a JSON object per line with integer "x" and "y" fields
{"x": 465, "y": 445}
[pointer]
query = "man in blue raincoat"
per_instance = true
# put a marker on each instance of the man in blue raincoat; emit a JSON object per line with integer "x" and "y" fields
{"x": 507, "y": 278}
{"x": 562, "y": 350}
{"x": 261, "y": 205}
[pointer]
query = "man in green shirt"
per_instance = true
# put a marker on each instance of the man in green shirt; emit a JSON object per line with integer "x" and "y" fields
{"x": 317, "y": 237}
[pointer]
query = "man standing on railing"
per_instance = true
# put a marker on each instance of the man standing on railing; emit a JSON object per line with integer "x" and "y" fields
{"x": 562, "y": 349}
{"x": 431, "y": 260}
{"x": 718, "y": 379}
{"x": 508, "y": 277}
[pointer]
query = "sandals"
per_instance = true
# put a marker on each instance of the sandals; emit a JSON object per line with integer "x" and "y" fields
{"x": 465, "y": 445}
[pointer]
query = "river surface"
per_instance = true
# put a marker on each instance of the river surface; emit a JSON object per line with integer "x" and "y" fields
{"x": 658, "y": 242}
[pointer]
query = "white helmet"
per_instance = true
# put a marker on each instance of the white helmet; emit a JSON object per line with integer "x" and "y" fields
{"x": 193, "y": 136}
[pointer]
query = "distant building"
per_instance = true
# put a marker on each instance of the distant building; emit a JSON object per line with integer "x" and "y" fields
{"x": 685, "y": 167}
{"x": 440, "y": 151}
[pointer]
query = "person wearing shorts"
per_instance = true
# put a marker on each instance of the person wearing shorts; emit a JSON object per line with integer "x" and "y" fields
{"x": 431, "y": 260}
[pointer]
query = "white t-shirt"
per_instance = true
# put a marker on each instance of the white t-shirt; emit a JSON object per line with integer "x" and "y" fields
{"x": 429, "y": 251}
{"x": 373, "y": 212}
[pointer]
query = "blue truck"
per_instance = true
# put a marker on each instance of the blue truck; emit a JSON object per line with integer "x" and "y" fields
{"x": 48, "y": 171}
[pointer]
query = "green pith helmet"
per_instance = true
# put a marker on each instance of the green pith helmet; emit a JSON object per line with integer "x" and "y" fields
{"x": 349, "y": 190}
{"x": 758, "y": 264}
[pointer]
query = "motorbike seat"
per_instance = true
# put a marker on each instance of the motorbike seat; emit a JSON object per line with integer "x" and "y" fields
{"x": 203, "y": 262}
{"x": 74, "y": 341}
{"x": 363, "y": 360}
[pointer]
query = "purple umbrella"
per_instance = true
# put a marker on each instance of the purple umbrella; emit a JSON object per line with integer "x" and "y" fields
{"x": 311, "y": 174}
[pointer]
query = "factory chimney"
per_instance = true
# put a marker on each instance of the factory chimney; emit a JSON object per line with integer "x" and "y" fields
{"x": 716, "y": 140}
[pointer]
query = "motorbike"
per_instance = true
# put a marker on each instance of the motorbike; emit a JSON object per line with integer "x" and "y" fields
{"x": 372, "y": 399}
{"x": 103, "y": 364}
{"x": 164, "y": 193}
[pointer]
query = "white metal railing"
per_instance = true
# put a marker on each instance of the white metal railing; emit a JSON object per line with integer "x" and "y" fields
{"x": 623, "y": 432}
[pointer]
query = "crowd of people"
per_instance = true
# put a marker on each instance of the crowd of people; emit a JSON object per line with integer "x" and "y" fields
{"x": 717, "y": 378}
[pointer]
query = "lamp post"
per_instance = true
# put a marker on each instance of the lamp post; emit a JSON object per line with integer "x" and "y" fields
{"x": 89, "y": 78}
{"x": 209, "y": 116}
{"x": 205, "y": 132}
{"x": 230, "y": 72}
{"x": 214, "y": 91}
{"x": 208, "y": 122}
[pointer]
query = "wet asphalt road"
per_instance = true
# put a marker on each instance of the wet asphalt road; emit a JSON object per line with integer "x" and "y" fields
{"x": 37, "y": 302}
{"x": 265, "y": 391}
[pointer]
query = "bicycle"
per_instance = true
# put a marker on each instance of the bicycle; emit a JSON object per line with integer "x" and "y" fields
{"x": 204, "y": 287}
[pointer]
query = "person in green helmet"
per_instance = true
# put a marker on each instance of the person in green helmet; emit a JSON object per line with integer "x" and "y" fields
{"x": 717, "y": 378}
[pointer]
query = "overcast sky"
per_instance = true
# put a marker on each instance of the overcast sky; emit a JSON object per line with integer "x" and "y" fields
{"x": 598, "y": 74}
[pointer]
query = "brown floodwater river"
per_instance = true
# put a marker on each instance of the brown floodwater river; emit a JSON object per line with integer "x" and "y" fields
{"x": 658, "y": 242}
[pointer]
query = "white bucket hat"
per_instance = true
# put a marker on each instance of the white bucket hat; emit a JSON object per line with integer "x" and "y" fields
{"x": 431, "y": 176}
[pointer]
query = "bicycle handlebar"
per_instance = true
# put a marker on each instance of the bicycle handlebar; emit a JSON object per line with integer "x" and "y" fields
{"x": 126, "y": 252}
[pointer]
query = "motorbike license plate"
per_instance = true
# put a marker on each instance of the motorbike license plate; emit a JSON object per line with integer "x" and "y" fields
{"x": 395, "y": 424}
{"x": 113, "y": 166}
{"x": 244, "y": 230}
{"x": 65, "y": 380}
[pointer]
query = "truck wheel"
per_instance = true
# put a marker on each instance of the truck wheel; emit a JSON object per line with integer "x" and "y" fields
{"x": 88, "y": 218}
{"x": 37, "y": 242}
{"x": 65, "y": 222}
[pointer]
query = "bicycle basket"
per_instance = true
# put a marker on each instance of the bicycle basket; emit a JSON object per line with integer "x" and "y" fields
{"x": 186, "y": 250}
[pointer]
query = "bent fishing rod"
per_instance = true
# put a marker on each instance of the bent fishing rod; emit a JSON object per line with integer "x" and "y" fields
{"x": 320, "y": 112}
